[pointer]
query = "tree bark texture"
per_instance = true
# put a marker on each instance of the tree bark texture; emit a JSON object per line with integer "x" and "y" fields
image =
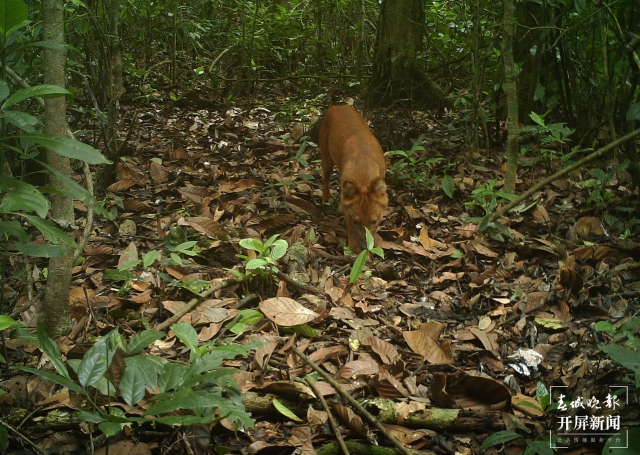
{"x": 397, "y": 74}
{"x": 56, "y": 300}
{"x": 511, "y": 172}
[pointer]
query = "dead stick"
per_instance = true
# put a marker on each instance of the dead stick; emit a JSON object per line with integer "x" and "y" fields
{"x": 193, "y": 302}
{"x": 361, "y": 410}
{"x": 305, "y": 287}
{"x": 562, "y": 173}
{"x": 332, "y": 420}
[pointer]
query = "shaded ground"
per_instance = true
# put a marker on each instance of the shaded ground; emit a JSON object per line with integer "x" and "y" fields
{"x": 447, "y": 320}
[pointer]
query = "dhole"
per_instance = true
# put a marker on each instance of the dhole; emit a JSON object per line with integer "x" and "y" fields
{"x": 346, "y": 141}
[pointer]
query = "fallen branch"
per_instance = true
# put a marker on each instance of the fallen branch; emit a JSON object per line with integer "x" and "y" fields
{"x": 562, "y": 173}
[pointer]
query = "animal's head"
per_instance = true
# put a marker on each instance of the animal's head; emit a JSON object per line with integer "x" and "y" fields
{"x": 362, "y": 207}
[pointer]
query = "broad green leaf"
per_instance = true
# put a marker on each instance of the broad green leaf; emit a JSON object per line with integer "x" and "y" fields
{"x": 22, "y": 120}
{"x": 358, "y": 266}
{"x": 282, "y": 409}
{"x": 68, "y": 147}
{"x": 90, "y": 416}
{"x": 51, "y": 349}
{"x": 187, "y": 334}
{"x": 64, "y": 382}
{"x": 256, "y": 263}
{"x": 142, "y": 340}
{"x": 12, "y": 13}
{"x": 244, "y": 318}
{"x": 176, "y": 236}
{"x": 536, "y": 118}
{"x": 118, "y": 275}
{"x": 540, "y": 447}
{"x": 278, "y": 249}
{"x": 448, "y": 185}
{"x": 51, "y": 232}
{"x": 628, "y": 358}
{"x": 133, "y": 383}
{"x": 94, "y": 363}
{"x": 542, "y": 394}
{"x": 172, "y": 376}
{"x": 633, "y": 113}
{"x": 40, "y": 250}
{"x": 623, "y": 444}
{"x": 499, "y": 438}
{"x": 219, "y": 354}
{"x": 78, "y": 192}
{"x": 6, "y": 322}
{"x": 150, "y": 258}
{"x": 369, "y": 238}
{"x": 4, "y": 91}
{"x": 44, "y": 90}
{"x": 22, "y": 197}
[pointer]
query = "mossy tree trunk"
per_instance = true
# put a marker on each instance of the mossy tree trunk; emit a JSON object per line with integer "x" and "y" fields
{"x": 56, "y": 300}
{"x": 398, "y": 75}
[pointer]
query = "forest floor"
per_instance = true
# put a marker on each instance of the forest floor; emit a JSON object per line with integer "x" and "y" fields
{"x": 450, "y": 338}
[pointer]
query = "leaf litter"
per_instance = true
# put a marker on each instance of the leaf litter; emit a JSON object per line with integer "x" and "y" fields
{"x": 441, "y": 334}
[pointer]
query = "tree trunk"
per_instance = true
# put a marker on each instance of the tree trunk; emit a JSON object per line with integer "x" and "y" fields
{"x": 56, "y": 300}
{"x": 512, "y": 98}
{"x": 397, "y": 74}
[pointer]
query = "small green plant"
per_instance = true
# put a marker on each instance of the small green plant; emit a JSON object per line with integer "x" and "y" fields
{"x": 358, "y": 265}
{"x": 541, "y": 446}
{"x": 551, "y": 139}
{"x": 264, "y": 264}
{"x": 599, "y": 194}
{"x": 623, "y": 345}
{"x": 412, "y": 168}
{"x": 202, "y": 390}
{"x": 487, "y": 197}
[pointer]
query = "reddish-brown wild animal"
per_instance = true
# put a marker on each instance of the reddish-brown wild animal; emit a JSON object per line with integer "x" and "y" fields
{"x": 346, "y": 141}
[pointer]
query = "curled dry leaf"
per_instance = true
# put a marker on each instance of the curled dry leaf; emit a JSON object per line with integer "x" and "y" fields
{"x": 359, "y": 368}
{"x": 157, "y": 173}
{"x": 350, "y": 418}
{"x": 286, "y": 312}
{"x": 387, "y": 352}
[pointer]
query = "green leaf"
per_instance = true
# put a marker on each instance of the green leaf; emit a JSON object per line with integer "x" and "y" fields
{"x": 499, "y": 438}
{"x": 142, "y": 340}
{"x": 633, "y": 113}
{"x": 252, "y": 244}
{"x": 12, "y": 13}
{"x": 542, "y": 395}
{"x": 278, "y": 249}
{"x": 282, "y": 409}
{"x": 4, "y": 90}
{"x": 118, "y": 275}
{"x": 219, "y": 354}
{"x": 256, "y": 263}
{"x": 358, "y": 266}
{"x": 14, "y": 228}
{"x": 22, "y": 197}
{"x": 64, "y": 382}
{"x": 305, "y": 331}
{"x": 540, "y": 447}
{"x": 172, "y": 376}
{"x": 90, "y": 416}
{"x": 6, "y": 322}
{"x": 536, "y": 118}
{"x": 94, "y": 363}
{"x": 448, "y": 185}
{"x": 626, "y": 357}
{"x": 185, "y": 420}
{"x": 150, "y": 258}
{"x": 40, "y": 250}
{"x": 621, "y": 444}
{"x": 133, "y": 383}
{"x": 68, "y": 147}
{"x": 378, "y": 251}
{"x": 51, "y": 232}
{"x": 187, "y": 334}
{"x": 176, "y": 236}
{"x": 51, "y": 349}
{"x": 44, "y": 90}
{"x": 244, "y": 318}
{"x": 369, "y": 238}
{"x": 22, "y": 120}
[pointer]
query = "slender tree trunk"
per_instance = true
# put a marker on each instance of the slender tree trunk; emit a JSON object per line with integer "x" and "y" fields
{"x": 360, "y": 42}
{"x": 512, "y": 98}
{"x": 115, "y": 77}
{"x": 56, "y": 300}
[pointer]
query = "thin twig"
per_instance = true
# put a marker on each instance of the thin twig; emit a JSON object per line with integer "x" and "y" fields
{"x": 22, "y": 436}
{"x": 359, "y": 408}
{"x": 332, "y": 420}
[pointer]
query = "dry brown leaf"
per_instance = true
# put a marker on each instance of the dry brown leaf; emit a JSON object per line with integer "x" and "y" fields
{"x": 197, "y": 194}
{"x": 286, "y": 312}
{"x": 135, "y": 205}
{"x": 387, "y": 352}
{"x": 359, "y": 368}
{"x": 424, "y": 341}
{"x": 349, "y": 418}
{"x": 121, "y": 185}
{"x": 204, "y": 225}
{"x": 157, "y": 173}
{"x": 236, "y": 187}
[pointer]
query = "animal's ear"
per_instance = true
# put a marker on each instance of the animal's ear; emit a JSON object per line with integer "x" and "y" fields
{"x": 349, "y": 189}
{"x": 379, "y": 187}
